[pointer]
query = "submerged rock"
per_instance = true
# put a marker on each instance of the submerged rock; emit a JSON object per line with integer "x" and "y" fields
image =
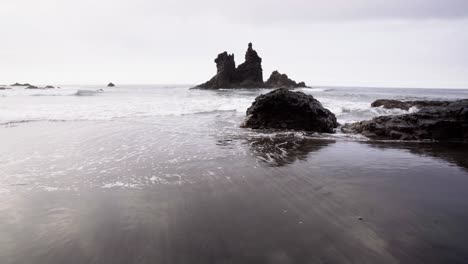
{"x": 248, "y": 74}
{"x": 49, "y": 87}
{"x": 111, "y": 85}
{"x": 448, "y": 121}
{"x": 32, "y": 87}
{"x": 285, "y": 109}
{"x": 278, "y": 80}
{"x": 406, "y": 105}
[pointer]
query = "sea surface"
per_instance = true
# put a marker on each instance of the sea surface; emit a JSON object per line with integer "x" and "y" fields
{"x": 164, "y": 174}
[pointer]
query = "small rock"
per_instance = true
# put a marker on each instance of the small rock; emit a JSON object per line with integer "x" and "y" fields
{"x": 278, "y": 80}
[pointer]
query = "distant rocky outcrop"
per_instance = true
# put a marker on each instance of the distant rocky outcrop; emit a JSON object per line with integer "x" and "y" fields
{"x": 448, "y": 121}
{"x": 21, "y": 84}
{"x": 278, "y": 80}
{"x": 247, "y": 75}
{"x": 111, "y": 85}
{"x": 406, "y": 105}
{"x": 40, "y": 88}
{"x": 285, "y": 109}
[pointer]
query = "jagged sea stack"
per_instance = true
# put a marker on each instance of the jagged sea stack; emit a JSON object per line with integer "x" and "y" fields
{"x": 285, "y": 109}
{"x": 247, "y": 75}
{"x": 250, "y": 72}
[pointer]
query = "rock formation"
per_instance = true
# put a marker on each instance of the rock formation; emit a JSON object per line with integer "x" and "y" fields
{"x": 247, "y": 75}
{"x": 111, "y": 85}
{"x": 285, "y": 109}
{"x": 406, "y": 105}
{"x": 278, "y": 80}
{"x": 443, "y": 122}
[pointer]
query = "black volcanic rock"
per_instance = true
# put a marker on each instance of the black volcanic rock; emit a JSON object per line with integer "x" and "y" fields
{"x": 444, "y": 122}
{"x": 111, "y": 85}
{"x": 31, "y": 87}
{"x": 251, "y": 70}
{"x": 278, "y": 80}
{"x": 284, "y": 109}
{"x": 406, "y": 105}
{"x": 247, "y": 75}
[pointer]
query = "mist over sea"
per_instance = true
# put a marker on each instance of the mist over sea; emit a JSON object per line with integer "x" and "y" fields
{"x": 164, "y": 174}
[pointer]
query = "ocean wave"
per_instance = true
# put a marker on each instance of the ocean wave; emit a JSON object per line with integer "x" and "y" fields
{"x": 312, "y": 89}
{"x": 216, "y": 111}
{"x": 88, "y": 92}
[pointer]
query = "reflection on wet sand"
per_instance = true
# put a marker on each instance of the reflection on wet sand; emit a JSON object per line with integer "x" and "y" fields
{"x": 280, "y": 150}
{"x": 452, "y": 152}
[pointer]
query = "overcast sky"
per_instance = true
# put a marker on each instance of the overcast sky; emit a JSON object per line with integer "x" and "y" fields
{"x": 398, "y": 43}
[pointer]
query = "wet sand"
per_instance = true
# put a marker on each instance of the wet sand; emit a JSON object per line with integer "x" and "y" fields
{"x": 136, "y": 192}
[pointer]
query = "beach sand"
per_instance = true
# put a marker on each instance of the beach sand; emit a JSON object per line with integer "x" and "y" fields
{"x": 169, "y": 192}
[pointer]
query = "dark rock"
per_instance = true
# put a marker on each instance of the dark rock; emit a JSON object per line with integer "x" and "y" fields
{"x": 111, "y": 85}
{"x": 247, "y": 75}
{"x": 19, "y": 84}
{"x": 406, "y": 105}
{"x": 284, "y": 109}
{"x": 440, "y": 122}
{"x": 278, "y": 80}
{"x": 49, "y": 87}
{"x": 32, "y": 87}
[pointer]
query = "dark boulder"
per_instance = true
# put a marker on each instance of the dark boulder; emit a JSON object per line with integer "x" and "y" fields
{"x": 49, "y": 87}
{"x": 406, "y": 105}
{"x": 111, "y": 85}
{"x": 278, "y": 80}
{"x": 285, "y": 109}
{"x": 441, "y": 122}
{"x": 32, "y": 87}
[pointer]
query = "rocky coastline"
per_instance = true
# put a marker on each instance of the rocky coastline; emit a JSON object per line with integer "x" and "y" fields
{"x": 435, "y": 120}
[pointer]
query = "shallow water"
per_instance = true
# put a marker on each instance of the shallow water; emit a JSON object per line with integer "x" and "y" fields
{"x": 136, "y": 101}
{"x": 164, "y": 176}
